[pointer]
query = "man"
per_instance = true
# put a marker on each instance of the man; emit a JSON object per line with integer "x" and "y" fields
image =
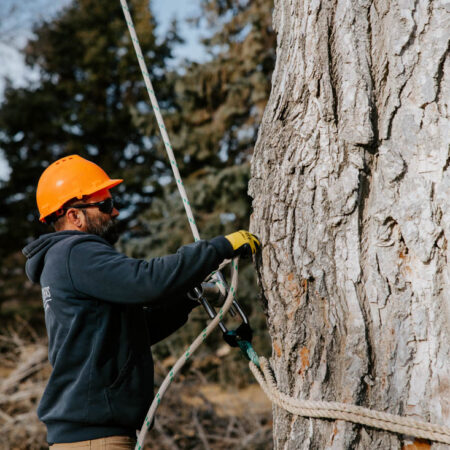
{"x": 104, "y": 310}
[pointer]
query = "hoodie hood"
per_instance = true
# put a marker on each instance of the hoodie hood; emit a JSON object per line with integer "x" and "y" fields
{"x": 35, "y": 252}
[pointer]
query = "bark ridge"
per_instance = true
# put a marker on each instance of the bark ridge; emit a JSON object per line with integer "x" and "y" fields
{"x": 351, "y": 198}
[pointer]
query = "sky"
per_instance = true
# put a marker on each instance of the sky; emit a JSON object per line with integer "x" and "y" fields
{"x": 166, "y": 10}
{"x": 11, "y": 60}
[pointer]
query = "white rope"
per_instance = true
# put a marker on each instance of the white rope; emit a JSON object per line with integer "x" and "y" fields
{"x": 234, "y": 273}
{"x": 188, "y": 353}
{"x": 159, "y": 119}
{"x": 328, "y": 410}
{"x": 344, "y": 411}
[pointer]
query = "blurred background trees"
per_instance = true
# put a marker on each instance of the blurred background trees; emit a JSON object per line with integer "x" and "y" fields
{"x": 88, "y": 97}
{"x": 86, "y": 102}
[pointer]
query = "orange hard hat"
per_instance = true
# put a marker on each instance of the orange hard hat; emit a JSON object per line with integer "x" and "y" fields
{"x": 69, "y": 177}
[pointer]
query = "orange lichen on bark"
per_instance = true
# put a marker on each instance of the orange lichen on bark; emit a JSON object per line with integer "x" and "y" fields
{"x": 295, "y": 292}
{"x": 333, "y": 435}
{"x": 418, "y": 444}
{"x": 277, "y": 349}
{"x": 304, "y": 358}
{"x": 294, "y": 288}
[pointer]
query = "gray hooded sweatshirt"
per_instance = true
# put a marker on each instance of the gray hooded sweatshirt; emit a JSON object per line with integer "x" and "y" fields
{"x": 103, "y": 311}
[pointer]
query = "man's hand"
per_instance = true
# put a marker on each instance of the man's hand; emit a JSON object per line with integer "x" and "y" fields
{"x": 243, "y": 243}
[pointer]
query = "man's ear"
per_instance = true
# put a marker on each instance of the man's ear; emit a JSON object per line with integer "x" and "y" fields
{"x": 76, "y": 218}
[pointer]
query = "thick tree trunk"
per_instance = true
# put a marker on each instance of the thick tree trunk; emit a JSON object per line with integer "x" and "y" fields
{"x": 351, "y": 189}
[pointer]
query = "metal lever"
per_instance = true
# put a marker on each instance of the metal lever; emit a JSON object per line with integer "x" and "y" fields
{"x": 208, "y": 308}
{"x": 243, "y": 332}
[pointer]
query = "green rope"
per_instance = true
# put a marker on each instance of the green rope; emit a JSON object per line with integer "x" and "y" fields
{"x": 246, "y": 348}
{"x": 248, "y": 351}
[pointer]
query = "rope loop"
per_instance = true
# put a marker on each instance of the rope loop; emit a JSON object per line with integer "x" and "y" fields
{"x": 343, "y": 411}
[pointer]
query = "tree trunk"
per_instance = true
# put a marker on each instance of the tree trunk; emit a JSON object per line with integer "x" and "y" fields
{"x": 351, "y": 189}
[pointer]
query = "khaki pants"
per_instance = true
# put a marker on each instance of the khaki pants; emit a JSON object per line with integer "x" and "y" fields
{"x": 108, "y": 443}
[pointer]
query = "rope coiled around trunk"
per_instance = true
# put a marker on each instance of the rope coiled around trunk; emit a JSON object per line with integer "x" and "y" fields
{"x": 344, "y": 411}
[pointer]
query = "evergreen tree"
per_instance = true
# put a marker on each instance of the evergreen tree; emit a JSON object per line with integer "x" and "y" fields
{"x": 87, "y": 101}
{"x": 91, "y": 101}
{"x": 213, "y": 128}
{"x": 219, "y": 105}
{"x": 221, "y": 101}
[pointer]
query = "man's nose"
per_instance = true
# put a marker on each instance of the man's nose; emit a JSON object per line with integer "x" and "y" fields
{"x": 115, "y": 212}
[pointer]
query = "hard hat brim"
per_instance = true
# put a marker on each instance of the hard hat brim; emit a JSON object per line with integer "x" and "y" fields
{"x": 106, "y": 185}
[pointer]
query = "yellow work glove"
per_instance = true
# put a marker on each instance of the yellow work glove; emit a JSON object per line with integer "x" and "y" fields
{"x": 243, "y": 243}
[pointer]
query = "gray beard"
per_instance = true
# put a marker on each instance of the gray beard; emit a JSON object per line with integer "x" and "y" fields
{"x": 105, "y": 229}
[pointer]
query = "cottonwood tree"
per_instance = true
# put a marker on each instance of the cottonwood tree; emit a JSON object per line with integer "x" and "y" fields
{"x": 351, "y": 197}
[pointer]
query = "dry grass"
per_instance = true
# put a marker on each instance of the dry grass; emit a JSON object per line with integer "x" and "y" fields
{"x": 23, "y": 369}
{"x": 195, "y": 414}
{"x": 210, "y": 416}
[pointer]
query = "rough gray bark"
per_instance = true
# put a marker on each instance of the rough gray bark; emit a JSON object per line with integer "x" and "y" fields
{"x": 351, "y": 189}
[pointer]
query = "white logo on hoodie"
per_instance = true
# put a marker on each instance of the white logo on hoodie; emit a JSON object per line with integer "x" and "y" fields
{"x": 46, "y": 297}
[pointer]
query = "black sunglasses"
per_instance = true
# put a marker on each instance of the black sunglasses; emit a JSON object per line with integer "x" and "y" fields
{"x": 105, "y": 206}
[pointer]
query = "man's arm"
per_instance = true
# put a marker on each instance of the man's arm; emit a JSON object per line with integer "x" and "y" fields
{"x": 165, "y": 320}
{"x": 97, "y": 270}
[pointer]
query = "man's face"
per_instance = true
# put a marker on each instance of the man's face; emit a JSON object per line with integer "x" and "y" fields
{"x": 99, "y": 223}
